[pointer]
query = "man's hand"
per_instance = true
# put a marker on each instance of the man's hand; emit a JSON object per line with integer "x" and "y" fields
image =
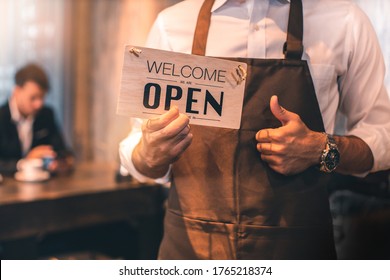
{"x": 57, "y": 165}
{"x": 41, "y": 152}
{"x": 62, "y": 166}
{"x": 163, "y": 140}
{"x": 291, "y": 148}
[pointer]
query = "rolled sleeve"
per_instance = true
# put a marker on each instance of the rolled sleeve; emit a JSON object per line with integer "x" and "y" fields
{"x": 374, "y": 130}
{"x": 364, "y": 98}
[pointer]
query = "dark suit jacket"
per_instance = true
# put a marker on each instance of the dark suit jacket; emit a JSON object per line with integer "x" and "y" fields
{"x": 45, "y": 132}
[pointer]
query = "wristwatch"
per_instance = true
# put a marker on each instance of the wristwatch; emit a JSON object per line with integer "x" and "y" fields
{"x": 330, "y": 157}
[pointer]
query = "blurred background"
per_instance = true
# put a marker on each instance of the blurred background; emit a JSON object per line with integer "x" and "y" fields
{"x": 80, "y": 44}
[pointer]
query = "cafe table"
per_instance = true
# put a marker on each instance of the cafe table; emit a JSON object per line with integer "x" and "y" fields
{"x": 89, "y": 196}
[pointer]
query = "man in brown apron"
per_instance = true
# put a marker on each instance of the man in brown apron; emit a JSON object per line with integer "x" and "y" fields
{"x": 226, "y": 200}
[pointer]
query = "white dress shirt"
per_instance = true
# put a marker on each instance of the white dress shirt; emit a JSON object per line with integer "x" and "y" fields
{"x": 340, "y": 45}
{"x": 24, "y": 126}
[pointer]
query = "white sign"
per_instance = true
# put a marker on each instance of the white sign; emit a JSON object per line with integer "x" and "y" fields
{"x": 208, "y": 90}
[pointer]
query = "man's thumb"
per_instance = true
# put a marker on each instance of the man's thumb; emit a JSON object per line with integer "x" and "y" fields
{"x": 279, "y": 112}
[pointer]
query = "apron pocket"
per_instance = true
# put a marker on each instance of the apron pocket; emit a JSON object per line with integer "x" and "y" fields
{"x": 192, "y": 239}
{"x": 285, "y": 243}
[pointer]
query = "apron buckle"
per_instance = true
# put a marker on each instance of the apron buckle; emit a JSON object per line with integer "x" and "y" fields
{"x": 293, "y": 50}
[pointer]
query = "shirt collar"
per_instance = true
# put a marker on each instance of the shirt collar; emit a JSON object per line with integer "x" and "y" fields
{"x": 16, "y": 116}
{"x": 220, "y": 3}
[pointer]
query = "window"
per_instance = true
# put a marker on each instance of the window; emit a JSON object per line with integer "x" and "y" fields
{"x": 33, "y": 31}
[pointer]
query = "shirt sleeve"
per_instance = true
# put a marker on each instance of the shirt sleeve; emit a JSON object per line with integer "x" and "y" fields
{"x": 364, "y": 98}
{"x": 156, "y": 39}
{"x": 126, "y": 149}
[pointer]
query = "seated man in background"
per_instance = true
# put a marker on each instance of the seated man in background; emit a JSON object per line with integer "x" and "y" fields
{"x": 27, "y": 127}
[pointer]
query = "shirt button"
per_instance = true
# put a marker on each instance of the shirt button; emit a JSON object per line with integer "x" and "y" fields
{"x": 256, "y": 27}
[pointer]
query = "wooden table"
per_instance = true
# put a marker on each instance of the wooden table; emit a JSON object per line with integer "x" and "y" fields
{"x": 89, "y": 196}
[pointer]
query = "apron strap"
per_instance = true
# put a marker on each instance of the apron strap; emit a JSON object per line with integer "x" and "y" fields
{"x": 293, "y": 48}
{"x": 202, "y": 28}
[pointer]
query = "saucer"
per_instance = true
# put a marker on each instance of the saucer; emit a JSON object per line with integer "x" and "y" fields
{"x": 36, "y": 176}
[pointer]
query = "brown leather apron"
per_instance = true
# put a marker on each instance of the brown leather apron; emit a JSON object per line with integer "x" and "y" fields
{"x": 225, "y": 202}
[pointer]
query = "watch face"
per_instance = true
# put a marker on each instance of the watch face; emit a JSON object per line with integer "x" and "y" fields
{"x": 332, "y": 159}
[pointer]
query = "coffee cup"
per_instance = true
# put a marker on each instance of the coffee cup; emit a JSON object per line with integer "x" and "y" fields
{"x": 31, "y": 170}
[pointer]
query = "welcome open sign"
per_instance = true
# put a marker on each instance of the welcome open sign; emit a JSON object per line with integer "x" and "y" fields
{"x": 208, "y": 90}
